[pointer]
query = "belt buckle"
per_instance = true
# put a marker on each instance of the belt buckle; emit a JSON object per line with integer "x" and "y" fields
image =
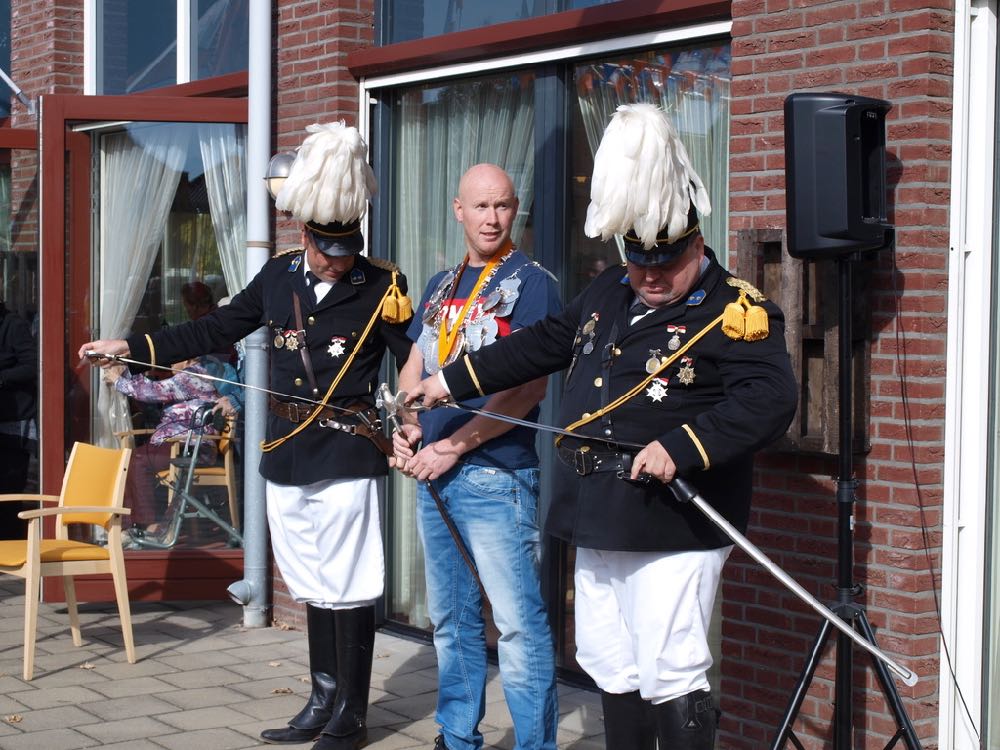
{"x": 293, "y": 413}
{"x": 583, "y": 462}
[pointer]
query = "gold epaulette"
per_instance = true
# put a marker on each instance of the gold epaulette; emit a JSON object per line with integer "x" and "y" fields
{"x": 289, "y": 251}
{"x": 385, "y": 265}
{"x": 742, "y": 319}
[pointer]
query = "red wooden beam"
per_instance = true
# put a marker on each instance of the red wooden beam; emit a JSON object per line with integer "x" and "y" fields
{"x": 555, "y": 30}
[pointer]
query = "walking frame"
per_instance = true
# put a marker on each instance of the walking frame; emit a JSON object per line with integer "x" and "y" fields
{"x": 185, "y": 505}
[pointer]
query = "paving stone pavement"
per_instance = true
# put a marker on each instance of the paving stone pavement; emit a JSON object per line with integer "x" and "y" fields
{"x": 203, "y": 681}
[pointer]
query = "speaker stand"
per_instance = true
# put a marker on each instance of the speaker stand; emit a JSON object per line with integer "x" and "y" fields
{"x": 847, "y": 589}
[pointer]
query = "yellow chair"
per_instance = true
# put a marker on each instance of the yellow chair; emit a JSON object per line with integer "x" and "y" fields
{"x": 93, "y": 492}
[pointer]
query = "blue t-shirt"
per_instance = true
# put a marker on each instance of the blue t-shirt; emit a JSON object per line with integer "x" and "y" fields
{"x": 537, "y": 298}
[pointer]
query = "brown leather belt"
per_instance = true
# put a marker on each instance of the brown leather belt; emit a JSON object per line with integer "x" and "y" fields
{"x": 295, "y": 412}
{"x": 360, "y": 419}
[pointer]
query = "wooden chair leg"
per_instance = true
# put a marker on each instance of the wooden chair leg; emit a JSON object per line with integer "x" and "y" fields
{"x": 124, "y": 612}
{"x": 31, "y": 591}
{"x": 74, "y": 615}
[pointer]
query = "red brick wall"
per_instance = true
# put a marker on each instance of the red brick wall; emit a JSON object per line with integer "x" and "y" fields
{"x": 899, "y": 50}
{"x": 46, "y": 50}
{"x": 46, "y": 57}
{"x": 313, "y": 85}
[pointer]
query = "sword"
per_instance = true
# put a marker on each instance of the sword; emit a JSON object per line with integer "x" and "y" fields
{"x": 90, "y": 354}
{"x": 397, "y": 404}
{"x": 685, "y": 492}
{"x": 385, "y": 400}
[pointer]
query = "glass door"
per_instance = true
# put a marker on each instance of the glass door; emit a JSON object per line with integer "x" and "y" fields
{"x": 168, "y": 248}
{"x": 144, "y": 226}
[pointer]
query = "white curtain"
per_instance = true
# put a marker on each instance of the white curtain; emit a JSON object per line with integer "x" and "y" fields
{"x": 441, "y": 132}
{"x": 223, "y": 151}
{"x": 693, "y": 87}
{"x": 139, "y": 177}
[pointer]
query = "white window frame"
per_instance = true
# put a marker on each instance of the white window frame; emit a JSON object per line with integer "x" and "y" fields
{"x": 571, "y": 52}
{"x": 93, "y": 42}
{"x": 967, "y": 441}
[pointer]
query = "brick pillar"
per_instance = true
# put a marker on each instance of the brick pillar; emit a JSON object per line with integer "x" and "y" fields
{"x": 46, "y": 57}
{"x": 899, "y": 50}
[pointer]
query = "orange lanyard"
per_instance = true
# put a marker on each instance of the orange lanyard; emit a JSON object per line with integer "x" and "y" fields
{"x": 446, "y": 338}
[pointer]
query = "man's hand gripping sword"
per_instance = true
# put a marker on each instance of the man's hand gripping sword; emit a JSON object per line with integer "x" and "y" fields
{"x": 393, "y": 405}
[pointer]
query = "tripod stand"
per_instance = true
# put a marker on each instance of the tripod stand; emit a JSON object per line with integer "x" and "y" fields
{"x": 847, "y": 590}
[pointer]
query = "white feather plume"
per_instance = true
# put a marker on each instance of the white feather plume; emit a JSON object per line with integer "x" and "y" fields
{"x": 330, "y": 179}
{"x": 643, "y": 178}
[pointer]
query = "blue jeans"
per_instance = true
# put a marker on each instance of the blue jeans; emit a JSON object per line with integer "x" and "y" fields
{"x": 495, "y": 512}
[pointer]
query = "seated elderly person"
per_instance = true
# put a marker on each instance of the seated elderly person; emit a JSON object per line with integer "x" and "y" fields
{"x": 182, "y": 395}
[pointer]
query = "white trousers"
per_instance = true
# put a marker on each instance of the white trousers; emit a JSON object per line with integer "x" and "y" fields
{"x": 642, "y": 619}
{"x": 327, "y": 541}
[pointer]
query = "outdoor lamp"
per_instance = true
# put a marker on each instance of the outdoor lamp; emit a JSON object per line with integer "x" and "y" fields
{"x": 277, "y": 171}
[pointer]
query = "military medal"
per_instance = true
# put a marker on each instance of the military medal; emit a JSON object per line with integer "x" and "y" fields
{"x": 657, "y": 390}
{"x": 686, "y": 374}
{"x": 336, "y": 347}
{"x": 291, "y": 341}
{"x": 653, "y": 363}
{"x": 588, "y": 329}
{"x": 279, "y": 340}
{"x": 675, "y": 342}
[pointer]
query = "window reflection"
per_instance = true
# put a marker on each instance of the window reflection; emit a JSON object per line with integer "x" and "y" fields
{"x": 139, "y": 49}
{"x": 222, "y": 34}
{"x": 172, "y": 233}
{"x": 416, "y": 19}
{"x": 5, "y": 93}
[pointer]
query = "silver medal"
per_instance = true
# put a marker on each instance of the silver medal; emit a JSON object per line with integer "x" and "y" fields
{"x": 675, "y": 343}
{"x": 492, "y": 300}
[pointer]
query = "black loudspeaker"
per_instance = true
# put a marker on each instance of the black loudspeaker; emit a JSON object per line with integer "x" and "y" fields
{"x": 835, "y": 177}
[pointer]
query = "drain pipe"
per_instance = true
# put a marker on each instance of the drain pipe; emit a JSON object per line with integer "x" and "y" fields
{"x": 252, "y": 592}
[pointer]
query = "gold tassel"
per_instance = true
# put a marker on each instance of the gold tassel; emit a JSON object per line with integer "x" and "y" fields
{"x": 733, "y": 319}
{"x": 405, "y": 308}
{"x": 390, "y": 309}
{"x": 397, "y": 307}
{"x": 757, "y": 326}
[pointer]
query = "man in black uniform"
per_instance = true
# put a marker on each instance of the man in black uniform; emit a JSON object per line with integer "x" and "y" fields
{"x": 675, "y": 367}
{"x": 331, "y": 314}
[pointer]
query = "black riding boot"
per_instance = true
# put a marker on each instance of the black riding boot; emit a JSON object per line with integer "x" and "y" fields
{"x": 347, "y": 729}
{"x": 628, "y": 722}
{"x": 309, "y": 722}
{"x": 687, "y": 723}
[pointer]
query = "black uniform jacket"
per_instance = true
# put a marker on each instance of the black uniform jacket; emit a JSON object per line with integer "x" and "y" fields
{"x": 710, "y": 411}
{"x": 333, "y": 329}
